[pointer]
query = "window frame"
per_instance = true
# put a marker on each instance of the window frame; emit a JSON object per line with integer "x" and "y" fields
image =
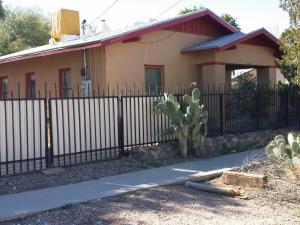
{"x": 2, "y": 94}
{"x": 162, "y": 76}
{"x": 62, "y": 89}
{"x": 28, "y": 79}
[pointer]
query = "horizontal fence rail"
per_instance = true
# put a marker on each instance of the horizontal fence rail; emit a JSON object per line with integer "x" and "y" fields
{"x": 41, "y": 133}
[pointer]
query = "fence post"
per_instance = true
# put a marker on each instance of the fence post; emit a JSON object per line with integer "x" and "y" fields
{"x": 49, "y": 134}
{"x": 221, "y": 114}
{"x": 121, "y": 125}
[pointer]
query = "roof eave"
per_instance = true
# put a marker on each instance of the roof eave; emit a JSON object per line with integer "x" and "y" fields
{"x": 126, "y": 35}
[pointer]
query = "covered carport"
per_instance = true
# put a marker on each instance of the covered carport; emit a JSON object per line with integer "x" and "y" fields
{"x": 217, "y": 58}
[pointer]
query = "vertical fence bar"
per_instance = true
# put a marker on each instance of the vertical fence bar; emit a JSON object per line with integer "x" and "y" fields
{"x": 6, "y": 139}
{"x": 49, "y": 133}
{"x": 95, "y": 126}
{"x": 257, "y": 111}
{"x": 79, "y": 123}
{"x": 105, "y": 130}
{"x": 100, "y": 127}
{"x": 286, "y": 109}
{"x": 40, "y": 131}
{"x": 121, "y": 126}
{"x": 13, "y": 134}
{"x": 221, "y": 114}
{"x": 69, "y": 129}
{"x": 90, "y": 128}
{"x": 20, "y": 132}
{"x": 115, "y": 136}
{"x": 74, "y": 127}
{"x": 84, "y": 125}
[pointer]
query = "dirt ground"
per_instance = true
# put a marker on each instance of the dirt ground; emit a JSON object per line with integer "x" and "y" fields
{"x": 277, "y": 204}
{"x": 171, "y": 205}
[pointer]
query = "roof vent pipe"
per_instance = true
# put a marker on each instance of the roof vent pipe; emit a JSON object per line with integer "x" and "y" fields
{"x": 105, "y": 28}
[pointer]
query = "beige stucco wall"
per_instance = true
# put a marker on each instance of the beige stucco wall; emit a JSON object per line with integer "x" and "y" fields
{"x": 122, "y": 63}
{"x": 125, "y": 61}
{"x": 96, "y": 68}
{"x": 247, "y": 55}
{"x": 242, "y": 55}
{"x": 46, "y": 70}
{"x": 204, "y": 57}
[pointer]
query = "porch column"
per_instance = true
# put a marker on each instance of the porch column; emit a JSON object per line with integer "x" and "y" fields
{"x": 213, "y": 75}
{"x": 266, "y": 76}
{"x": 228, "y": 78}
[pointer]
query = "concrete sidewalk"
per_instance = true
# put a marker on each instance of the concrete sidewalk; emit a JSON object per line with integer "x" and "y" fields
{"x": 54, "y": 197}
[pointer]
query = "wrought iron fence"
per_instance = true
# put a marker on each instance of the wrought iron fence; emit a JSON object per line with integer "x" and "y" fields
{"x": 51, "y": 131}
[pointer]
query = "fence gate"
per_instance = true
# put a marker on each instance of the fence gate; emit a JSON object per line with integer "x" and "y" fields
{"x": 83, "y": 130}
{"x": 22, "y": 135}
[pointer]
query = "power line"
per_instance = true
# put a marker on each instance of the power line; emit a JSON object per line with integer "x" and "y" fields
{"x": 105, "y": 11}
{"x": 171, "y": 7}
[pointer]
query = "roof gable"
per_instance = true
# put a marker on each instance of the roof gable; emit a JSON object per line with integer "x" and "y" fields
{"x": 205, "y": 25}
{"x": 180, "y": 21}
{"x": 258, "y": 37}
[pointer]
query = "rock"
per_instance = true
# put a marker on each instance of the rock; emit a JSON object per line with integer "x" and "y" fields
{"x": 244, "y": 179}
{"x": 53, "y": 171}
{"x": 163, "y": 151}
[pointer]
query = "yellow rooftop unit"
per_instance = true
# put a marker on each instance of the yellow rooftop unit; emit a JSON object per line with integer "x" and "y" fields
{"x": 65, "y": 22}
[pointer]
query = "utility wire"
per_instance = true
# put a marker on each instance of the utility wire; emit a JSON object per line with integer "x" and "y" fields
{"x": 171, "y": 7}
{"x": 105, "y": 11}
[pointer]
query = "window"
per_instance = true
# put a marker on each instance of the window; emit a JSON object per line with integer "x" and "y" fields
{"x": 154, "y": 78}
{"x": 3, "y": 87}
{"x": 65, "y": 83}
{"x": 30, "y": 85}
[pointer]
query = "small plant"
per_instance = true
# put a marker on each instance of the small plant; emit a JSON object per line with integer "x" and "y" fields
{"x": 188, "y": 121}
{"x": 281, "y": 151}
{"x": 297, "y": 214}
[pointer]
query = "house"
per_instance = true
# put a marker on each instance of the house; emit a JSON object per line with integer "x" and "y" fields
{"x": 197, "y": 47}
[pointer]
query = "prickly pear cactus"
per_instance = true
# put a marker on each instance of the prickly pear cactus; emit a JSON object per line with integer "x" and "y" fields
{"x": 281, "y": 150}
{"x": 188, "y": 121}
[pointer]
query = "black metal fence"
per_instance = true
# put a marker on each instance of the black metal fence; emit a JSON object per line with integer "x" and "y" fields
{"x": 41, "y": 133}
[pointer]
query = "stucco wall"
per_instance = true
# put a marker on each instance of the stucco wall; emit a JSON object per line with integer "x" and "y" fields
{"x": 213, "y": 75}
{"x": 125, "y": 61}
{"x": 46, "y": 70}
{"x": 247, "y": 55}
{"x": 121, "y": 63}
{"x": 96, "y": 67}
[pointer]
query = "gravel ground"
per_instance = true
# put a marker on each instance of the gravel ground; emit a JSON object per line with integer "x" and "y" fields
{"x": 171, "y": 205}
{"x": 75, "y": 174}
{"x": 283, "y": 186}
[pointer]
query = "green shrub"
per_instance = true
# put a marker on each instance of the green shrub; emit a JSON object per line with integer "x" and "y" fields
{"x": 287, "y": 151}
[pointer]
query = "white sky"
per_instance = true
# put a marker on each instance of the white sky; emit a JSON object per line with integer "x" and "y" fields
{"x": 250, "y": 14}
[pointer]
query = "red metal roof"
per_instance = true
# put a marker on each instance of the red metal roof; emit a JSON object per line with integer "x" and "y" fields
{"x": 123, "y": 36}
